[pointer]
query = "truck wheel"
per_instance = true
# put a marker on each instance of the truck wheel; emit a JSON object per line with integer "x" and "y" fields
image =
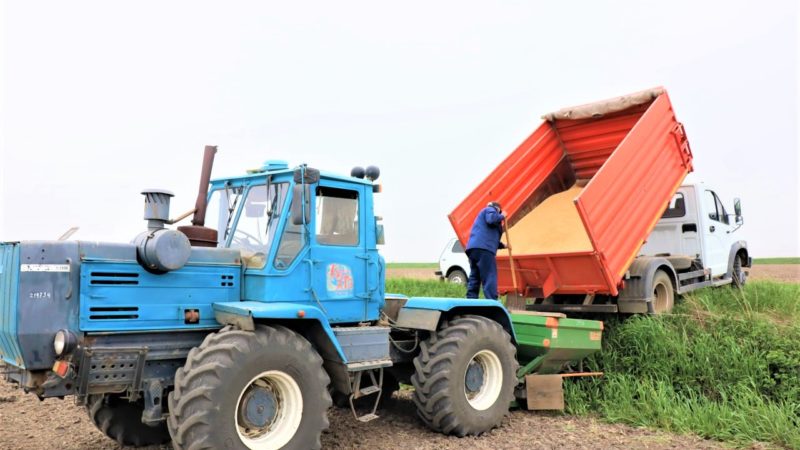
{"x": 257, "y": 390}
{"x": 663, "y": 293}
{"x": 739, "y": 275}
{"x": 121, "y": 420}
{"x": 457, "y": 276}
{"x": 465, "y": 376}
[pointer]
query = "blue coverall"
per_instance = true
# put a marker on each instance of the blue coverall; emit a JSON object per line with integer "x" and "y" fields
{"x": 484, "y": 240}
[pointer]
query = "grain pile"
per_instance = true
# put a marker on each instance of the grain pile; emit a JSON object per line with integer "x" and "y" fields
{"x": 552, "y": 227}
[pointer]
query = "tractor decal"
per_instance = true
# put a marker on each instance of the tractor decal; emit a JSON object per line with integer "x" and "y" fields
{"x": 339, "y": 280}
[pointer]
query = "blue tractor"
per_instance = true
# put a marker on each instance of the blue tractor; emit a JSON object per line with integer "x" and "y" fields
{"x": 240, "y": 334}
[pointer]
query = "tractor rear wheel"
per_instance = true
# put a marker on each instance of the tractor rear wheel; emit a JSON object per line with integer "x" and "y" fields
{"x": 465, "y": 376}
{"x": 250, "y": 390}
{"x": 121, "y": 420}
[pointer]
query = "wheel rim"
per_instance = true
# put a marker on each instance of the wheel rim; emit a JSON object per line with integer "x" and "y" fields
{"x": 660, "y": 293}
{"x": 269, "y": 410}
{"x": 483, "y": 380}
{"x": 456, "y": 279}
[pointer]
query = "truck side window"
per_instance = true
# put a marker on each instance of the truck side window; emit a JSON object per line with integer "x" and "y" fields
{"x": 292, "y": 241}
{"x": 714, "y": 206}
{"x": 457, "y": 247}
{"x": 676, "y": 207}
{"x": 723, "y": 215}
{"x": 337, "y": 216}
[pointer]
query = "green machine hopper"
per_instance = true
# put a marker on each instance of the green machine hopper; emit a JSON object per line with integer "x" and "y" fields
{"x": 547, "y": 343}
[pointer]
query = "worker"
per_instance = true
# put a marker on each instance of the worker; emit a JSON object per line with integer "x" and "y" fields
{"x": 484, "y": 240}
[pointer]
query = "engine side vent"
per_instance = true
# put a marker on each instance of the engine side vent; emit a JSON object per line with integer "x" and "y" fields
{"x": 113, "y": 312}
{"x": 114, "y": 278}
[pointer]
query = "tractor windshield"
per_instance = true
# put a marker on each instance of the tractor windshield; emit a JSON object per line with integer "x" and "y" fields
{"x": 261, "y": 208}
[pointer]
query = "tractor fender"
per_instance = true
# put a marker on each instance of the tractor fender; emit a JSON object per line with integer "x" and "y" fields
{"x": 735, "y": 249}
{"x": 421, "y": 310}
{"x": 637, "y": 295}
{"x": 299, "y": 316}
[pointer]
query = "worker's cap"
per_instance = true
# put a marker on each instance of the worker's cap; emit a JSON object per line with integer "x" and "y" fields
{"x": 495, "y": 205}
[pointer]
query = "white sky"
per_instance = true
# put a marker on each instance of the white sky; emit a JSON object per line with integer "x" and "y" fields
{"x": 101, "y": 99}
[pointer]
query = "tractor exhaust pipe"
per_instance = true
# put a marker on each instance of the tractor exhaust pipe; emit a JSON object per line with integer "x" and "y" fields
{"x": 198, "y": 234}
{"x": 201, "y": 204}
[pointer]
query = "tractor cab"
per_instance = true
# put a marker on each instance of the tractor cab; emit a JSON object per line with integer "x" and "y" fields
{"x": 304, "y": 235}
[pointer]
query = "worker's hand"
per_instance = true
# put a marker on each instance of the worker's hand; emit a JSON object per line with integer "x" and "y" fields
{"x": 501, "y": 246}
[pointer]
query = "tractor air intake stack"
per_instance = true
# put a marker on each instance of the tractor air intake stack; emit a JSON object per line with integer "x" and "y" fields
{"x": 199, "y": 235}
{"x": 159, "y": 249}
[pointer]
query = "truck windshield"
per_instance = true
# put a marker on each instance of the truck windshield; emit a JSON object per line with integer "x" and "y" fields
{"x": 258, "y": 220}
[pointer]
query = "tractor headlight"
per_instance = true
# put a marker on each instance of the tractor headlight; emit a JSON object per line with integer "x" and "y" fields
{"x": 64, "y": 342}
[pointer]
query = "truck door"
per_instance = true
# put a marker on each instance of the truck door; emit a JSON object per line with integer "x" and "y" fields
{"x": 715, "y": 224}
{"x": 339, "y": 255}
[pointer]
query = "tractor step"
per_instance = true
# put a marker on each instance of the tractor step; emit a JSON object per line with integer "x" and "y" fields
{"x": 367, "y": 417}
{"x": 368, "y": 391}
{"x": 375, "y": 379}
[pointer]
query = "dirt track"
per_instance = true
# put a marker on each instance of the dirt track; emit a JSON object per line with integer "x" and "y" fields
{"x": 27, "y": 423}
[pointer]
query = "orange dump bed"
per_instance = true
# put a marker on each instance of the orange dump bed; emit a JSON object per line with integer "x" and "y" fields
{"x": 617, "y": 163}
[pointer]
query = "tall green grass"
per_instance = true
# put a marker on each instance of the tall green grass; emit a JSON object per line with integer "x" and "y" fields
{"x": 725, "y": 365}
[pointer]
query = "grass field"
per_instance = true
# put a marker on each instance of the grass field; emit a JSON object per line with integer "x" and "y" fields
{"x": 725, "y": 365}
{"x": 790, "y": 260}
{"x": 412, "y": 265}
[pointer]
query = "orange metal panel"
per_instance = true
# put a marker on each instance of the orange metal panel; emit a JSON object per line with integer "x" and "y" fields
{"x": 635, "y": 159}
{"x": 513, "y": 181}
{"x": 623, "y": 201}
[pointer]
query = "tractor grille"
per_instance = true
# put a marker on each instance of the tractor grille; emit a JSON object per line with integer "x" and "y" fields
{"x": 9, "y": 290}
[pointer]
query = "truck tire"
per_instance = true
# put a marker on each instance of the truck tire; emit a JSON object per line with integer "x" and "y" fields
{"x": 121, "y": 420}
{"x": 465, "y": 376}
{"x": 262, "y": 389}
{"x": 663, "y": 293}
{"x": 739, "y": 275}
{"x": 457, "y": 276}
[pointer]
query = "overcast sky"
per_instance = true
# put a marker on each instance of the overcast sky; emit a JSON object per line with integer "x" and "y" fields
{"x": 101, "y": 99}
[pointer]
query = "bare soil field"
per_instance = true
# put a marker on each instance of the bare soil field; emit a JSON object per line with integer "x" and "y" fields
{"x": 27, "y": 423}
{"x": 778, "y": 272}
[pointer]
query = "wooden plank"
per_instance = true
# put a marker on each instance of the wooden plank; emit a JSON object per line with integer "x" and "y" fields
{"x": 545, "y": 392}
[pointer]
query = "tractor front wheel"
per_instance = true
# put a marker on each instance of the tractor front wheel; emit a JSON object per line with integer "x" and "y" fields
{"x": 258, "y": 390}
{"x": 121, "y": 420}
{"x": 465, "y": 376}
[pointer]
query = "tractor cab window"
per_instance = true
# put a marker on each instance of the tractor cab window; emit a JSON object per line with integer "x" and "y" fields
{"x": 261, "y": 207}
{"x": 337, "y": 216}
{"x": 258, "y": 220}
{"x": 221, "y": 210}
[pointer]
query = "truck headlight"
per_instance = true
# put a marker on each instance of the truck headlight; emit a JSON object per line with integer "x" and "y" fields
{"x": 64, "y": 342}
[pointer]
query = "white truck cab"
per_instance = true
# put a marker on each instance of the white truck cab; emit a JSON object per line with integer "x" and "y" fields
{"x": 453, "y": 263}
{"x": 696, "y": 225}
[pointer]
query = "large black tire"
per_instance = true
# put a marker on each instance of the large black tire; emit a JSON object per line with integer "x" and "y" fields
{"x": 739, "y": 275}
{"x": 663, "y": 293}
{"x": 226, "y": 368}
{"x": 440, "y": 379}
{"x": 121, "y": 420}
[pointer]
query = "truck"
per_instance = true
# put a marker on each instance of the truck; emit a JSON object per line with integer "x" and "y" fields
{"x": 599, "y": 217}
{"x": 241, "y": 333}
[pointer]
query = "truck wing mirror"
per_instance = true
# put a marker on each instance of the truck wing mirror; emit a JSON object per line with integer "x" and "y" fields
{"x": 301, "y": 214}
{"x": 737, "y": 207}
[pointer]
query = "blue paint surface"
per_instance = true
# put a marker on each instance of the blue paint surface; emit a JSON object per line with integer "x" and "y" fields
{"x": 9, "y": 293}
